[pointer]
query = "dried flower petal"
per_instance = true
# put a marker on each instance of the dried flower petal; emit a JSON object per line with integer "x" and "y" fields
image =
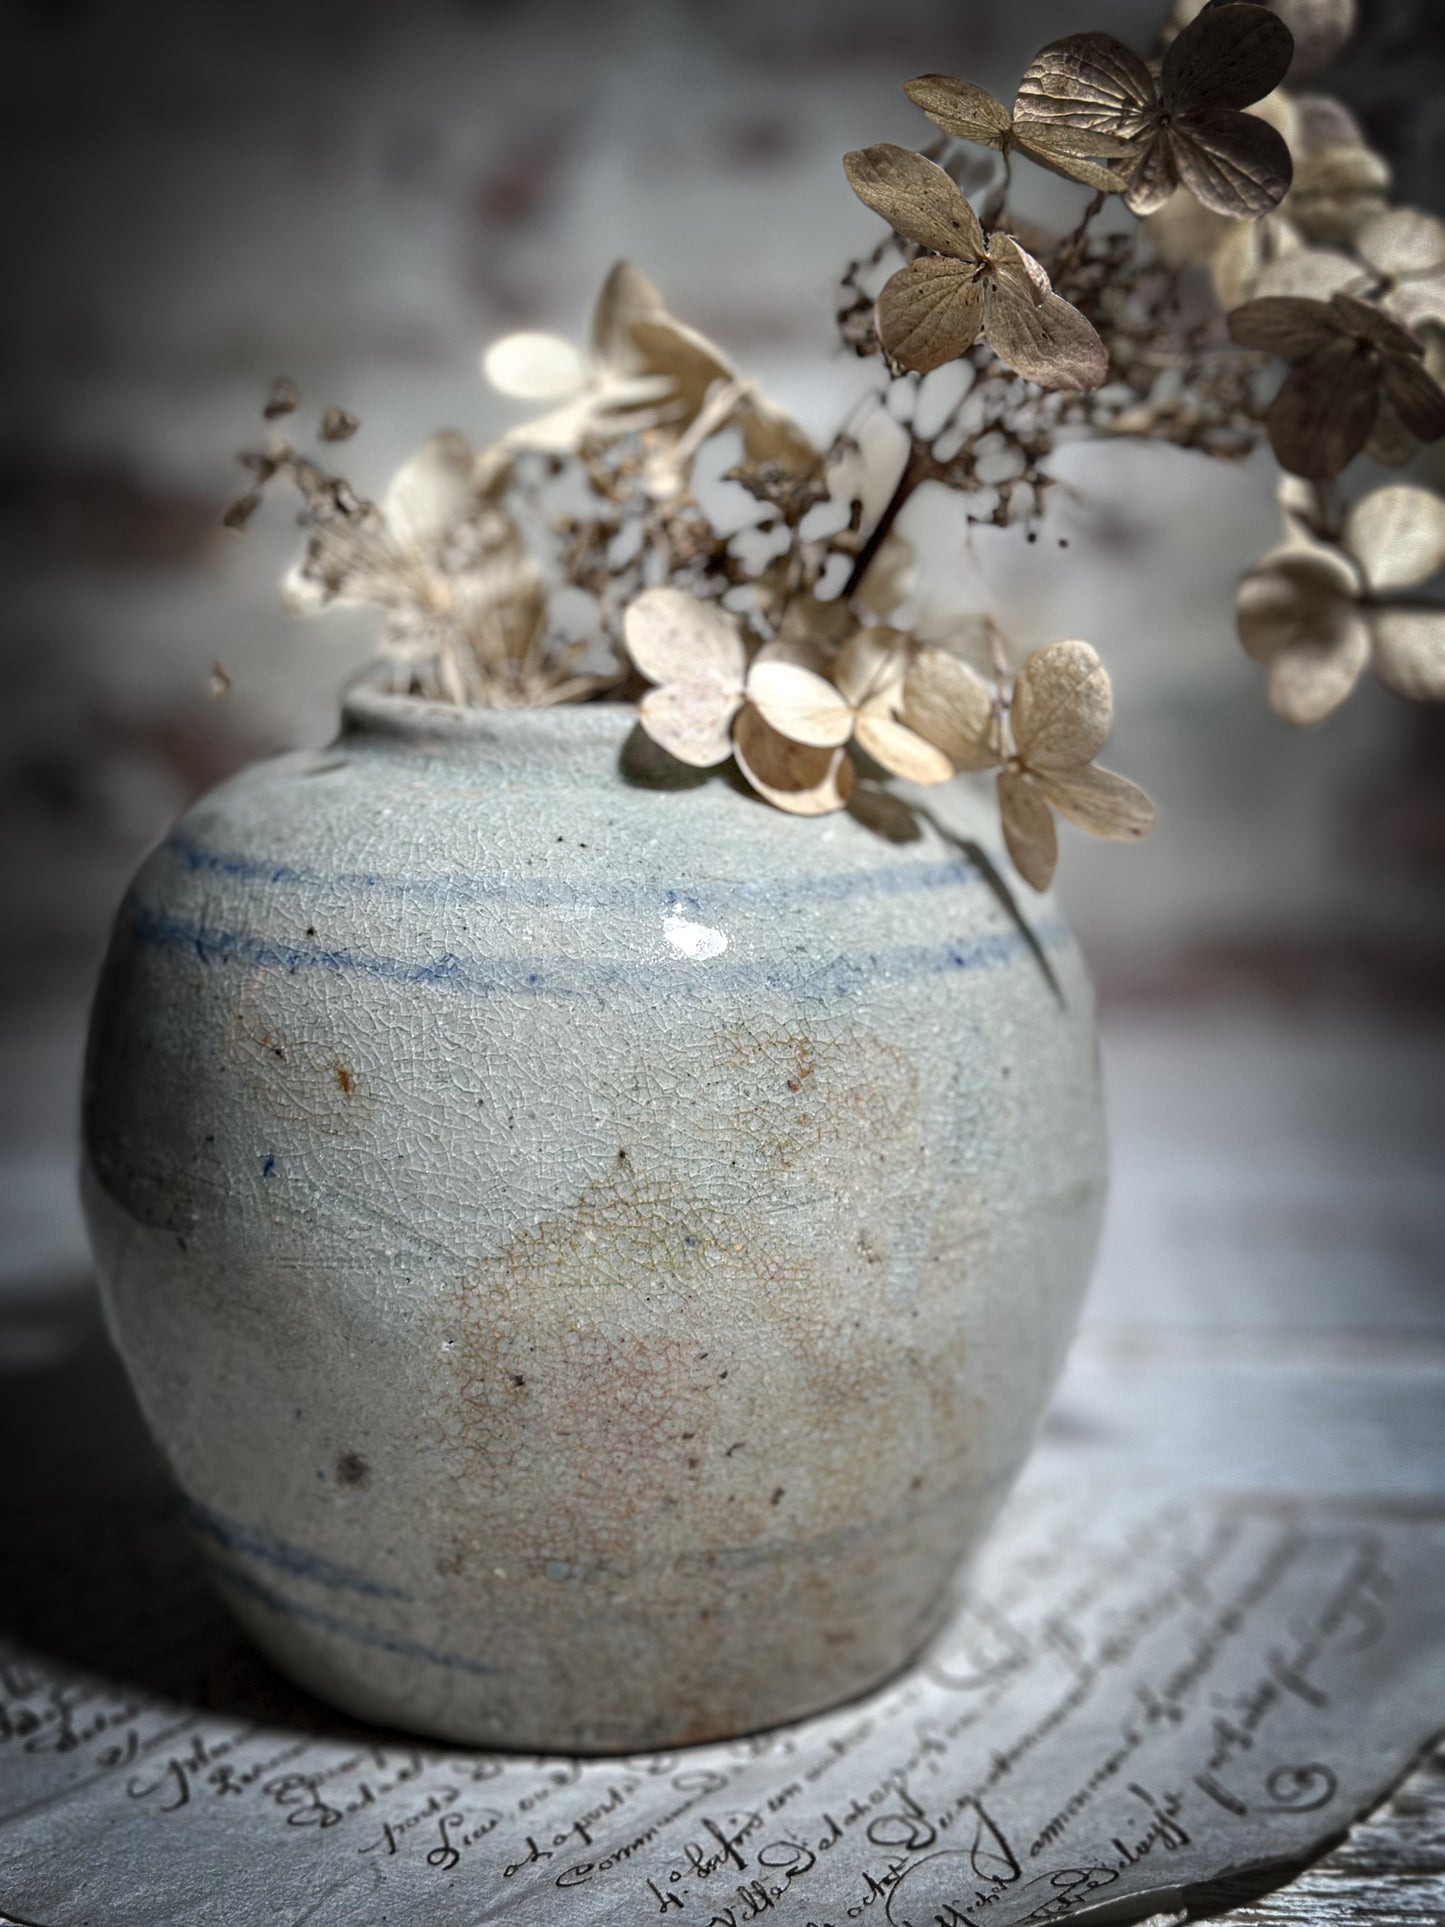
{"x": 1409, "y": 652}
{"x": 1035, "y": 331}
{"x": 672, "y": 637}
{"x": 900, "y": 750}
{"x": 1229, "y": 56}
{"x": 1284, "y": 325}
{"x": 1028, "y": 829}
{"x": 1337, "y": 191}
{"x": 1322, "y": 416}
{"x": 534, "y": 367}
{"x": 1391, "y": 444}
{"x": 967, "y": 112}
{"x": 952, "y": 707}
{"x": 1309, "y": 682}
{"x": 430, "y": 494}
{"x": 1397, "y": 535}
{"x": 930, "y": 313}
{"x": 1295, "y": 595}
{"x": 1087, "y": 80}
{"x": 799, "y": 703}
{"x": 1100, "y": 802}
{"x": 692, "y": 720}
{"x": 1063, "y": 707}
{"x": 1154, "y": 178}
{"x": 1403, "y": 240}
{"x": 792, "y": 777}
{"x": 1417, "y": 397}
{"x": 916, "y": 198}
{"x": 1234, "y": 163}
{"x": 1296, "y": 612}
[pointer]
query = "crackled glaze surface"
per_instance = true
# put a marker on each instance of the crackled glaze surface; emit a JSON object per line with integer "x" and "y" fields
{"x": 593, "y": 1254}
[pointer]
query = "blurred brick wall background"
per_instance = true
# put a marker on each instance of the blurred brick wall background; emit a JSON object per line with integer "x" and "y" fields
{"x": 360, "y": 194}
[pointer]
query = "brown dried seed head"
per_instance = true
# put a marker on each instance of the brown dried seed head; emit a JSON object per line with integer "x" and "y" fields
{"x": 241, "y": 510}
{"x": 284, "y": 399}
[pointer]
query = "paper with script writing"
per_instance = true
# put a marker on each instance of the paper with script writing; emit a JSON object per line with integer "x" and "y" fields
{"x": 1137, "y": 1692}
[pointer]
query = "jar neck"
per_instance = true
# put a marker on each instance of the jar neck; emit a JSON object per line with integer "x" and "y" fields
{"x": 576, "y": 736}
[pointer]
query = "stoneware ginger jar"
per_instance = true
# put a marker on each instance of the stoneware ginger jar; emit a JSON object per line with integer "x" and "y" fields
{"x": 594, "y": 1255}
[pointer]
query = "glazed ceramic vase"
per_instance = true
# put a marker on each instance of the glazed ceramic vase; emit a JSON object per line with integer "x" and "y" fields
{"x": 594, "y": 1250}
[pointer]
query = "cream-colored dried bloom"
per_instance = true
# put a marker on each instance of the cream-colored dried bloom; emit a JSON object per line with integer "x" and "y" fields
{"x": 1406, "y": 247}
{"x": 969, "y": 284}
{"x": 643, "y": 371}
{"x": 1186, "y": 128}
{"x": 1315, "y": 614}
{"x": 1042, "y": 740}
{"x": 699, "y": 711}
{"x": 695, "y": 655}
{"x": 856, "y": 700}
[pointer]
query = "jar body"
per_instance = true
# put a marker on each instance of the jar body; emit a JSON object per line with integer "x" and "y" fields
{"x": 594, "y": 1256}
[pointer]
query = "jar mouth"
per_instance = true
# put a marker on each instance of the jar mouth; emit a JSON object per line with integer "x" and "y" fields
{"x": 370, "y": 710}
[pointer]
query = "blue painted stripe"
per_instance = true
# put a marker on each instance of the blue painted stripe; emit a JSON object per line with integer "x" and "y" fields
{"x": 325, "y": 1622}
{"x": 727, "y": 1558}
{"x": 252, "y": 1542}
{"x": 702, "y": 899}
{"x": 822, "y": 979}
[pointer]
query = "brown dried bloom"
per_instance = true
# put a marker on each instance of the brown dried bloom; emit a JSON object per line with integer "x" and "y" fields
{"x": 857, "y": 699}
{"x": 970, "y": 113}
{"x": 1349, "y": 358}
{"x": 933, "y": 310}
{"x": 1314, "y": 613}
{"x": 1042, "y": 739}
{"x": 1187, "y": 127}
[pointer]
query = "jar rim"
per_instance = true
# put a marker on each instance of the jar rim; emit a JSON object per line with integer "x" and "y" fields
{"x": 371, "y": 710}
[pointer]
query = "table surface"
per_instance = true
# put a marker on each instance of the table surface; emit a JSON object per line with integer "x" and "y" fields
{"x": 1276, "y": 1244}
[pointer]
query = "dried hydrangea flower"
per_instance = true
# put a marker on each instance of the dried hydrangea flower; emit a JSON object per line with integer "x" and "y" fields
{"x": 1348, "y": 357}
{"x": 968, "y": 285}
{"x": 696, "y": 655}
{"x": 857, "y": 701}
{"x": 1313, "y": 613}
{"x": 1186, "y": 128}
{"x": 643, "y": 371}
{"x": 465, "y": 615}
{"x": 1042, "y": 740}
{"x": 970, "y": 113}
